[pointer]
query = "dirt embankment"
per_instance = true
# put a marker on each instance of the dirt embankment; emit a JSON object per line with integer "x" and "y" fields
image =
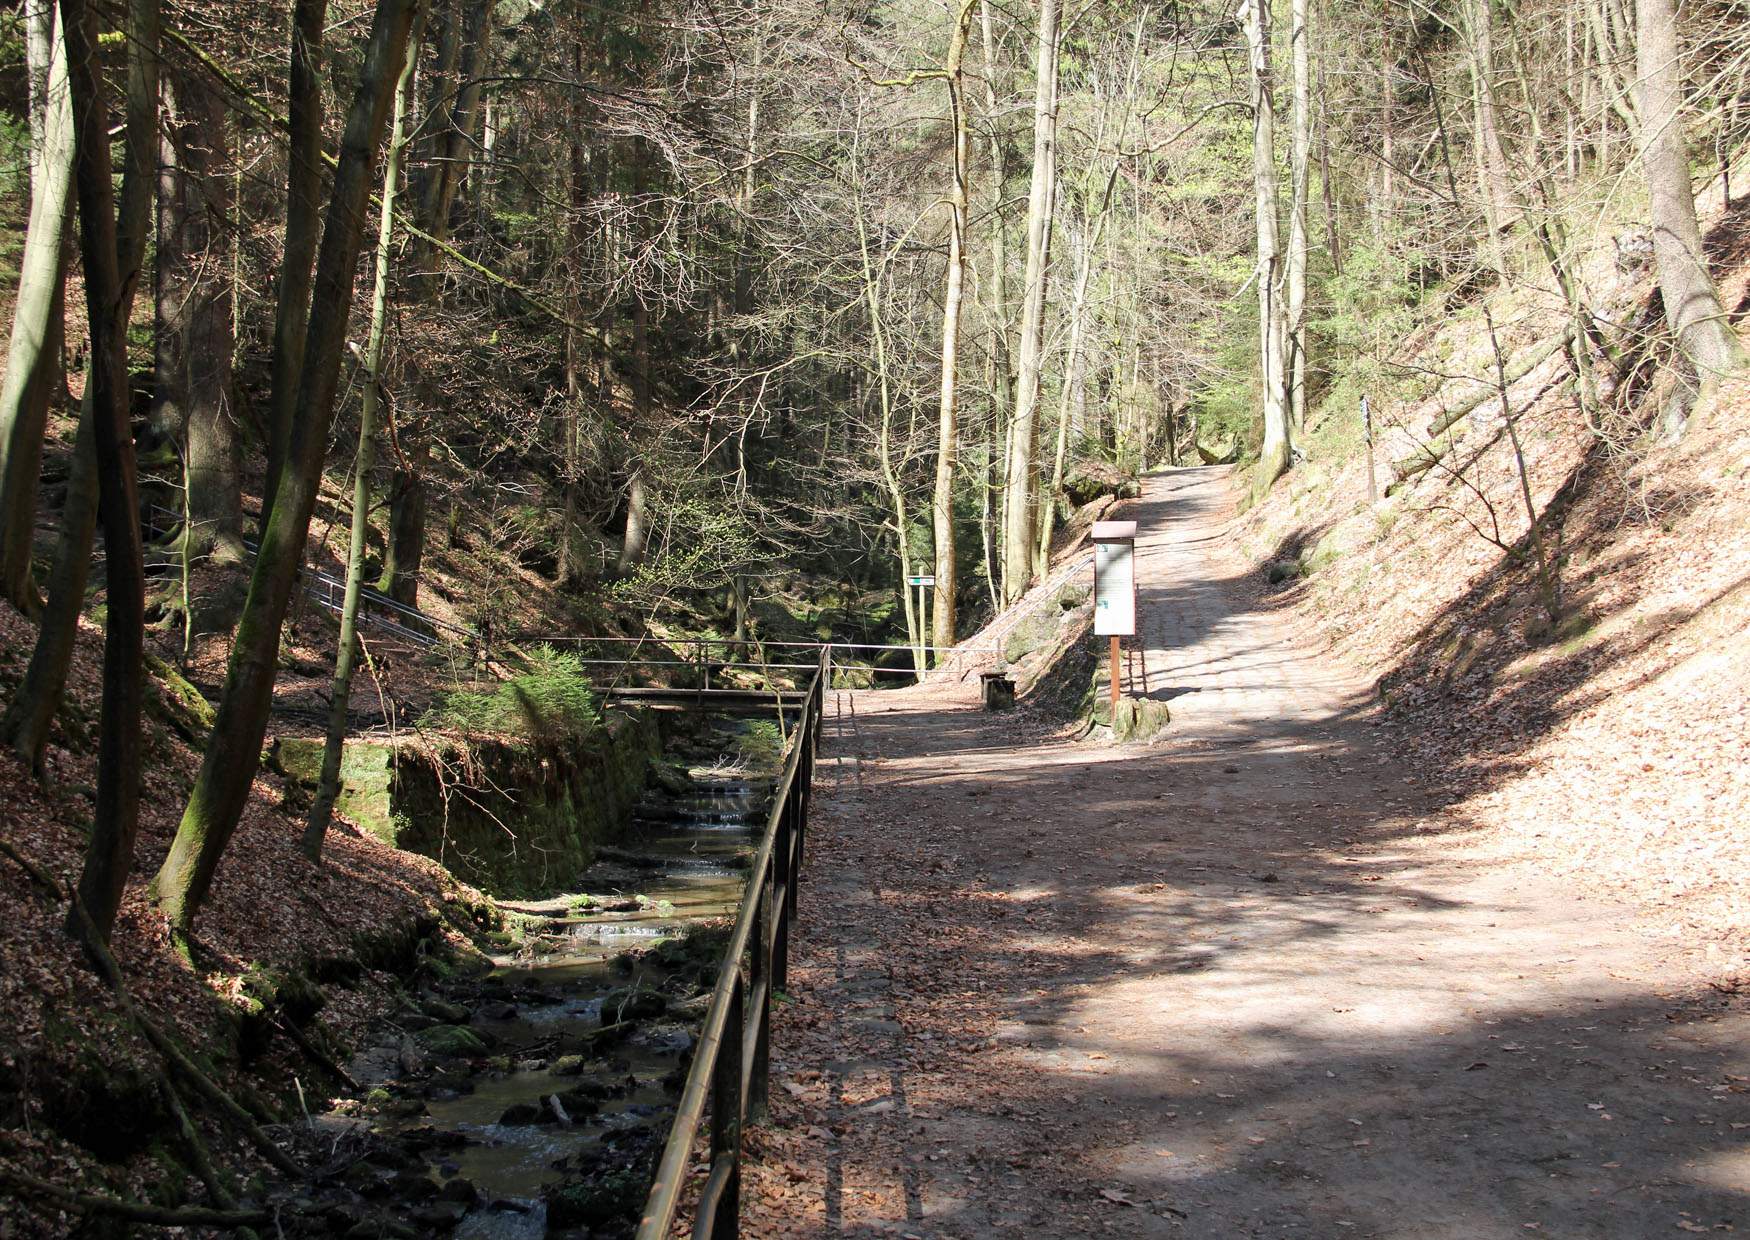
{"x": 281, "y": 943}
{"x": 1610, "y": 745}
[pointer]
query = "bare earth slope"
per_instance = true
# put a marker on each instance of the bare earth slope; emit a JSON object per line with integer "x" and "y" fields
{"x": 1245, "y": 982}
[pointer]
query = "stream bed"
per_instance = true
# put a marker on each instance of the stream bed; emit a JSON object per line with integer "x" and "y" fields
{"x": 534, "y": 1099}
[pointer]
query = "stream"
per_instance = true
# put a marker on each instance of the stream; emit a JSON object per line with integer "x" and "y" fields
{"x": 533, "y": 1100}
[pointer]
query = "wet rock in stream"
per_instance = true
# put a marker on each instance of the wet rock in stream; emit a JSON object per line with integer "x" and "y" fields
{"x": 535, "y": 1098}
{"x": 452, "y": 1040}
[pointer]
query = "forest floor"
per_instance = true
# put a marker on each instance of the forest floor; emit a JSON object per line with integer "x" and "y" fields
{"x": 1252, "y": 980}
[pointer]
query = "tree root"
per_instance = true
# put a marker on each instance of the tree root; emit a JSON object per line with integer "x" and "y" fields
{"x": 173, "y": 1054}
{"x": 133, "y": 1211}
{"x": 39, "y": 875}
{"x": 199, "y": 1158}
{"x": 166, "y": 1047}
{"x": 314, "y": 1053}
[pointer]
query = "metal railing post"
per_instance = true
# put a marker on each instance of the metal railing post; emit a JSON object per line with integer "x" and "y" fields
{"x": 731, "y": 1070}
{"x": 781, "y": 881}
{"x": 726, "y": 1116}
{"x": 759, "y": 1076}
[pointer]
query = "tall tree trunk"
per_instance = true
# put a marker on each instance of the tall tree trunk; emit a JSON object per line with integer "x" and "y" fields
{"x": 1020, "y": 492}
{"x": 1327, "y": 186}
{"x": 942, "y": 632}
{"x": 303, "y": 231}
{"x": 110, "y": 851}
{"x": 1384, "y": 206}
{"x": 1300, "y": 43}
{"x": 33, "y": 358}
{"x": 451, "y": 156}
{"x": 1491, "y": 159}
{"x": 634, "y": 544}
{"x": 221, "y": 788}
{"x": 27, "y": 720}
{"x": 346, "y": 652}
{"x": 1273, "y": 457}
{"x": 171, "y": 265}
{"x": 452, "y": 145}
{"x": 408, "y": 500}
{"x": 1081, "y": 249}
{"x": 1002, "y": 379}
{"x": 1692, "y": 303}
{"x": 215, "y": 499}
{"x": 576, "y": 361}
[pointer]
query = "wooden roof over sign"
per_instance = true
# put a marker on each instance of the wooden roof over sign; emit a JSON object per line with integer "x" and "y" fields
{"x": 1113, "y": 531}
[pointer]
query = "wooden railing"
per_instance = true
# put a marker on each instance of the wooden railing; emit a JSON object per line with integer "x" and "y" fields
{"x": 730, "y": 1067}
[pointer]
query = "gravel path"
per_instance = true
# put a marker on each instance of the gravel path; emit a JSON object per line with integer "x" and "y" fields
{"x": 1239, "y": 983}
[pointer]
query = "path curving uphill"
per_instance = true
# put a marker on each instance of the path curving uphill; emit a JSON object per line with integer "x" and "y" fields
{"x": 1243, "y": 982}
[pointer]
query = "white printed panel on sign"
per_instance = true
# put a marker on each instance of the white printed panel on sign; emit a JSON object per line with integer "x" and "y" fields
{"x": 1114, "y": 589}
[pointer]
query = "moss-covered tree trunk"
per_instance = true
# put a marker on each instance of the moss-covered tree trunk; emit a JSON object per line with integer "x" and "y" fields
{"x": 26, "y": 724}
{"x": 303, "y": 229}
{"x": 346, "y": 653}
{"x": 110, "y": 851}
{"x": 1692, "y": 303}
{"x": 1020, "y": 490}
{"x": 33, "y": 358}
{"x": 942, "y": 631}
{"x": 221, "y": 788}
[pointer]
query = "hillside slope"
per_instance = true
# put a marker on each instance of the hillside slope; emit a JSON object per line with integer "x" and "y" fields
{"x": 1610, "y": 745}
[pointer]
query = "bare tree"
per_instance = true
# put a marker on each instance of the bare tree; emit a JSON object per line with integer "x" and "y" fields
{"x": 948, "y": 420}
{"x": 33, "y": 359}
{"x": 109, "y": 854}
{"x": 228, "y": 769}
{"x": 1273, "y": 458}
{"x": 1021, "y": 491}
{"x": 1692, "y": 303}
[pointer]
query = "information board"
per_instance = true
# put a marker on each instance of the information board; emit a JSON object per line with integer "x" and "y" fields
{"x": 1115, "y": 588}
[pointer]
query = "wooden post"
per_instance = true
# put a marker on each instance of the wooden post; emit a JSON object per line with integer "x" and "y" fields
{"x": 1117, "y": 642}
{"x": 1367, "y": 433}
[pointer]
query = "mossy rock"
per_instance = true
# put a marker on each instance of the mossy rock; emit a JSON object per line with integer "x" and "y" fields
{"x": 1036, "y": 630}
{"x": 96, "y": 1097}
{"x": 443, "y": 1010}
{"x": 367, "y": 779}
{"x": 1140, "y": 719}
{"x": 617, "y": 1195}
{"x": 632, "y": 1003}
{"x": 178, "y": 703}
{"x": 451, "y": 1040}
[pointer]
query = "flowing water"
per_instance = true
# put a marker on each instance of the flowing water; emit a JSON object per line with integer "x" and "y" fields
{"x": 585, "y": 964}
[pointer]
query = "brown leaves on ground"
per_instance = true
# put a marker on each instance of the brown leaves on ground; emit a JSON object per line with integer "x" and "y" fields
{"x": 270, "y": 908}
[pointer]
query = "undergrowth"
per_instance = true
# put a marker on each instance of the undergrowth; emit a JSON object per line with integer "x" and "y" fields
{"x": 552, "y": 697}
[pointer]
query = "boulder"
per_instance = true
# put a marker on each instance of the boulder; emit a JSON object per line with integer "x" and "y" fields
{"x": 632, "y": 1003}
{"x": 451, "y": 1040}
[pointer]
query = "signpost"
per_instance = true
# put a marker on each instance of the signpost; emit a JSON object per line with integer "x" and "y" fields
{"x": 1115, "y": 589}
{"x": 922, "y": 581}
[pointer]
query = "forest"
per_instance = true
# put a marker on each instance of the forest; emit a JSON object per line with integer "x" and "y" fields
{"x": 381, "y": 372}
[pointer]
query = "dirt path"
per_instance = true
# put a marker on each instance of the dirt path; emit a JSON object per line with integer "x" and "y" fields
{"x": 1235, "y": 984}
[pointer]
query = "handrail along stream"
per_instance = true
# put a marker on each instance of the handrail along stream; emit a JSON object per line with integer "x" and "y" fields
{"x": 731, "y": 1063}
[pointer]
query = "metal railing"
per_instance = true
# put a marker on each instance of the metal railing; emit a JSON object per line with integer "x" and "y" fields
{"x": 731, "y": 1064}
{"x": 710, "y": 655}
{"x": 329, "y": 592}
